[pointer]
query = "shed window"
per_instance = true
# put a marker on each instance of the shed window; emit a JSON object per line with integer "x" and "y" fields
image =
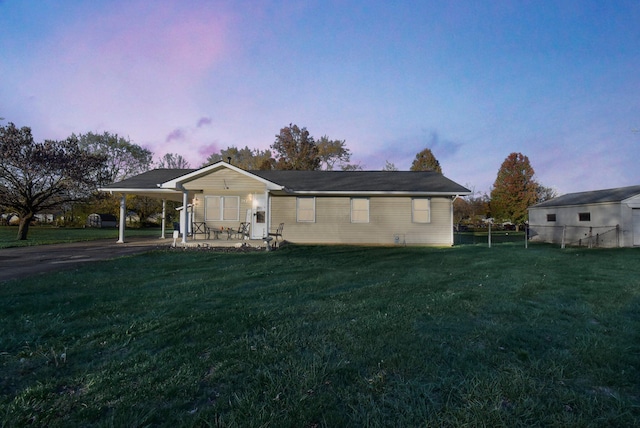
{"x": 551, "y": 217}
{"x": 584, "y": 216}
{"x": 360, "y": 210}
{"x": 421, "y": 210}
{"x": 222, "y": 208}
{"x": 306, "y": 210}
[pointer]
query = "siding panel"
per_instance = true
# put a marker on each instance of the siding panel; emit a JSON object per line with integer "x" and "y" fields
{"x": 389, "y": 222}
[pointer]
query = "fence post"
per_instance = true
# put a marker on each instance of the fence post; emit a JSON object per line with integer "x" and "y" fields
{"x": 489, "y": 235}
{"x": 618, "y": 235}
{"x": 526, "y": 235}
{"x": 564, "y": 233}
{"x": 590, "y": 245}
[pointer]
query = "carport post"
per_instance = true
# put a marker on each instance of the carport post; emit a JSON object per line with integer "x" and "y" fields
{"x": 123, "y": 213}
{"x": 164, "y": 217}
{"x": 185, "y": 219}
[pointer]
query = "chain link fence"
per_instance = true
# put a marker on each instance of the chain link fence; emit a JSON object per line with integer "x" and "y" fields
{"x": 577, "y": 236}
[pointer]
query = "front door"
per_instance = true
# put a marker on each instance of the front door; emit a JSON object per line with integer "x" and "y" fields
{"x": 259, "y": 216}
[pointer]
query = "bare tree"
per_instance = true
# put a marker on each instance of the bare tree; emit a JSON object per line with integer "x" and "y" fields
{"x": 35, "y": 177}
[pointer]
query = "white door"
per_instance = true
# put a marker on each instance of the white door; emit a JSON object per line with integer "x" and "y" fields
{"x": 259, "y": 216}
{"x": 636, "y": 227}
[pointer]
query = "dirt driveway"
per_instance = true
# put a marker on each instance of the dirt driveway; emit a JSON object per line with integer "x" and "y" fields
{"x": 16, "y": 263}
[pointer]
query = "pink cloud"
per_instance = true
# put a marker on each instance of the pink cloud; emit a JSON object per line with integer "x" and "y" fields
{"x": 204, "y": 121}
{"x": 176, "y": 134}
{"x": 208, "y": 149}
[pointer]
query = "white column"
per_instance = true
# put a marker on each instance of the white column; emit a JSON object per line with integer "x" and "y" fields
{"x": 267, "y": 212}
{"x": 185, "y": 220}
{"x": 164, "y": 217}
{"x": 123, "y": 214}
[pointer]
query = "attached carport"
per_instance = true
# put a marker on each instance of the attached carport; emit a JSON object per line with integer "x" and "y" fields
{"x": 149, "y": 184}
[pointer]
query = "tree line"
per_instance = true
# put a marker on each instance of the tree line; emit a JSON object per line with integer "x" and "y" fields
{"x": 40, "y": 177}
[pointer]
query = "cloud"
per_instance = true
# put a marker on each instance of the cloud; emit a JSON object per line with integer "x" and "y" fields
{"x": 204, "y": 121}
{"x": 176, "y": 134}
{"x": 207, "y": 150}
{"x": 402, "y": 150}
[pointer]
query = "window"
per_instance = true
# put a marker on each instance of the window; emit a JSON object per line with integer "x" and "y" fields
{"x": 584, "y": 216}
{"x": 359, "y": 210}
{"x": 421, "y": 210}
{"x": 551, "y": 217}
{"x": 306, "y": 210}
{"x": 222, "y": 208}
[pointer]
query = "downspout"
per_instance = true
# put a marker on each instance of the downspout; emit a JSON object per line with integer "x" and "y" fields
{"x": 123, "y": 213}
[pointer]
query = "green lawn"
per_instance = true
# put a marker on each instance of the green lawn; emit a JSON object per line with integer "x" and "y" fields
{"x": 41, "y": 235}
{"x": 328, "y": 336}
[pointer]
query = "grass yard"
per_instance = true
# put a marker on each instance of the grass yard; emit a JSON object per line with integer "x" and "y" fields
{"x": 328, "y": 336}
{"x": 41, "y": 235}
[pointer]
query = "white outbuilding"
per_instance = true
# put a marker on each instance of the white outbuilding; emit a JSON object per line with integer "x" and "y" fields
{"x": 599, "y": 218}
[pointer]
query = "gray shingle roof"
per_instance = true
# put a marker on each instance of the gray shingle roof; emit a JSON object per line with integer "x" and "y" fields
{"x": 363, "y": 181}
{"x": 593, "y": 197}
{"x": 149, "y": 179}
{"x": 320, "y": 181}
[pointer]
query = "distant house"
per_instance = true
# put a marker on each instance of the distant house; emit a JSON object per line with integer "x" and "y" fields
{"x": 603, "y": 218}
{"x": 327, "y": 207}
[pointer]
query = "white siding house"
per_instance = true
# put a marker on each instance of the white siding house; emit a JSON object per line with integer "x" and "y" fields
{"x": 323, "y": 207}
{"x": 600, "y": 218}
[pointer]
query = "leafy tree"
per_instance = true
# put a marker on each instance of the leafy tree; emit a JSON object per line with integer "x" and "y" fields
{"x": 471, "y": 209}
{"x": 173, "y": 161}
{"x": 389, "y": 166}
{"x": 332, "y": 152}
{"x": 514, "y": 190}
{"x": 295, "y": 149}
{"x": 36, "y": 177}
{"x": 545, "y": 193}
{"x": 246, "y": 158}
{"x": 124, "y": 159}
{"x": 426, "y": 161}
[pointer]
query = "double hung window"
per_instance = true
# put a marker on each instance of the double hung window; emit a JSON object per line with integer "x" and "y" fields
{"x": 222, "y": 208}
{"x": 360, "y": 210}
{"x": 421, "y": 210}
{"x": 306, "y": 210}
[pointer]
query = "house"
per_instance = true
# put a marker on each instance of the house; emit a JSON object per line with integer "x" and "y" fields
{"x": 603, "y": 218}
{"x": 319, "y": 207}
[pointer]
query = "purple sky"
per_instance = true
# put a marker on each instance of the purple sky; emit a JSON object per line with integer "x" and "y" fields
{"x": 558, "y": 81}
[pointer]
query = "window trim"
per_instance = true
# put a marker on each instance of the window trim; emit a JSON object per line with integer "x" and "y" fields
{"x": 313, "y": 209}
{"x": 368, "y": 210}
{"x": 584, "y": 216}
{"x": 220, "y": 216}
{"x": 414, "y": 218}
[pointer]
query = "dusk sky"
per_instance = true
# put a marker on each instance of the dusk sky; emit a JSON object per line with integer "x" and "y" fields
{"x": 558, "y": 81}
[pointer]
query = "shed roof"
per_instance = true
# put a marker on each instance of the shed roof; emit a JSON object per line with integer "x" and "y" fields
{"x": 617, "y": 194}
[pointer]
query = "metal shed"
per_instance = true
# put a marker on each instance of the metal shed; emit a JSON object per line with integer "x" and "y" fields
{"x": 599, "y": 218}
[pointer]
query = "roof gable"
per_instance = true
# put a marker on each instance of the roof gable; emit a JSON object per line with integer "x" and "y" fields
{"x": 618, "y": 194}
{"x": 209, "y": 169}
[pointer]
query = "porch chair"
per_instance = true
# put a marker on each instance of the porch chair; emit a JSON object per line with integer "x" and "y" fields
{"x": 242, "y": 232}
{"x": 277, "y": 234}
